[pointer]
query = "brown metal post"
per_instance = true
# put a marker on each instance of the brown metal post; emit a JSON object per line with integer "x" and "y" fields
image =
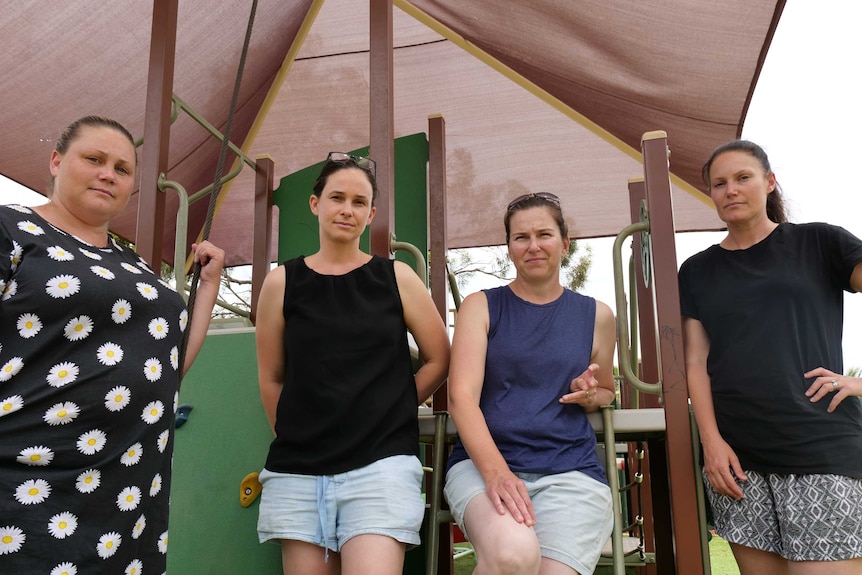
{"x": 654, "y": 505}
{"x": 264, "y": 168}
{"x": 382, "y": 129}
{"x": 439, "y": 282}
{"x": 157, "y": 132}
{"x": 437, "y": 228}
{"x": 690, "y": 559}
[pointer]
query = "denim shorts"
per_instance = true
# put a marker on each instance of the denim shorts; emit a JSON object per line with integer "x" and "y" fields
{"x": 574, "y": 513}
{"x": 382, "y": 498}
{"x": 800, "y": 517}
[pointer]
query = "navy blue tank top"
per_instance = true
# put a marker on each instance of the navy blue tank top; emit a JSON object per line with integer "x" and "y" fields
{"x": 349, "y": 396}
{"x": 534, "y": 352}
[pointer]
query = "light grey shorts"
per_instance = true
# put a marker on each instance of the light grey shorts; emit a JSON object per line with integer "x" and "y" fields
{"x": 383, "y": 498}
{"x": 574, "y": 513}
{"x": 800, "y": 517}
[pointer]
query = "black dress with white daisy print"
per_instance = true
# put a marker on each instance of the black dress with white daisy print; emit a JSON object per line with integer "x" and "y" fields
{"x": 89, "y": 342}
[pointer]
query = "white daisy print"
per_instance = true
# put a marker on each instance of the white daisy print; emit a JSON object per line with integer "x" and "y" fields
{"x": 61, "y": 413}
{"x": 17, "y": 252}
{"x": 153, "y": 369}
{"x": 132, "y": 455}
{"x": 89, "y": 254}
{"x": 165, "y": 284}
{"x": 118, "y": 398}
{"x": 184, "y": 319}
{"x": 162, "y": 441}
{"x": 130, "y": 268}
{"x": 30, "y": 228}
{"x": 58, "y": 254}
{"x": 175, "y": 358}
{"x": 156, "y": 485}
{"x": 29, "y": 325}
{"x": 92, "y": 442}
{"x": 158, "y": 328}
{"x": 121, "y": 311}
{"x": 62, "y": 374}
{"x": 11, "y": 539}
{"x": 128, "y": 498}
{"x": 78, "y": 328}
{"x": 32, "y": 491}
{"x": 9, "y": 291}
{"x": 20, "y": 209}
{"x": 38, "y": 455}
{"x": 134, "y": 568}
{"x": 11, "y": 404}
{"x": 88, "y": 481}
{"x": 109, "y": 354}
{"x": 102, "y": 272}
{"x": 62, "y": 525}
{"x": 11, "y": 368}
{"x": 153, "y": 412}
{"x": 147, "y": 290}
{"x": 66, "y": 568}
{"x": 63, "y": 286}
{"x": 108, "y": 544}
{"x": 163, "y": 542}
{"x": 140, "y": 524}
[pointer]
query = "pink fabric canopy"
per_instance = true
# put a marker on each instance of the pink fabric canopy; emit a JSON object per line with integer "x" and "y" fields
{"x": 546, "y": 95}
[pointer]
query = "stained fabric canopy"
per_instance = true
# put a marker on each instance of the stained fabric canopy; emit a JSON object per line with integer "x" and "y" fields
{"x": 546, "y": 95}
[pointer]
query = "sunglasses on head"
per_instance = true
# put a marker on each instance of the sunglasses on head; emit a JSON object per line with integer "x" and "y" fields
{"x": 361, "y": 162}
{"x": 548, "y": 197}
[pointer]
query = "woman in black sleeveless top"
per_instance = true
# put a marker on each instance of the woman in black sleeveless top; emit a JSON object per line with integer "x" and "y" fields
{"x": 342, "y": 482}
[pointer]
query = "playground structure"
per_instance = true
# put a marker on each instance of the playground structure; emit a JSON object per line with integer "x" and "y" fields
{"x": 676, "y": 537}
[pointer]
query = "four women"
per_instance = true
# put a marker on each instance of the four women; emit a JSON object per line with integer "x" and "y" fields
{"x": 85, "y": 409}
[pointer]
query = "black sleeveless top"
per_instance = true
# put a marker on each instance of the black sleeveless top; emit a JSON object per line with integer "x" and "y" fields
{"x": 349, "y": 396}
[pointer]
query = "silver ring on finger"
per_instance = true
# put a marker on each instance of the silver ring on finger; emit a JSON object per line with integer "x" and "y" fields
{"x": 834, "y": 385}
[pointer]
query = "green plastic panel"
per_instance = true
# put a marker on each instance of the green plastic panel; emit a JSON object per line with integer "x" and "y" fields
{"x": 226, "y": 437}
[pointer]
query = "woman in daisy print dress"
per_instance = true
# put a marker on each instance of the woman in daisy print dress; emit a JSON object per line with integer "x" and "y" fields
{"x": 89, "y": 346}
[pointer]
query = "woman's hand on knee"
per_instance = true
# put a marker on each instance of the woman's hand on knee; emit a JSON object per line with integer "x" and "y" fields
{"x": 507, "y": 492}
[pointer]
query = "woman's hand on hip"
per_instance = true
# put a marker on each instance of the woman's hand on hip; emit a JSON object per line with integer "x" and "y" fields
{"x": 828, "y": 382}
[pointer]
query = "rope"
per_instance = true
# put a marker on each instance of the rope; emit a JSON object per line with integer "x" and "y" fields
{"x": 196, "y": 274}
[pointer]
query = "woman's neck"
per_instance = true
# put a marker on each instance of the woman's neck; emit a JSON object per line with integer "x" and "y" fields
{"x": 742, "y": 237}
{"x": 61, "y": 219}
{"x": 539, "y": 293}
{"x": 337, "y": 259}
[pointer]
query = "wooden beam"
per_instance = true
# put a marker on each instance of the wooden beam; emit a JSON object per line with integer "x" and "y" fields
{"x": 261, "y": 256}
{"x": 157, "y": 132}
{"x": 382, "y": 129}
{"x": 687, "y": 530}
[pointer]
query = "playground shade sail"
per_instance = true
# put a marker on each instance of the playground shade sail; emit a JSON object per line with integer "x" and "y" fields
{"x": 545, "y": 95}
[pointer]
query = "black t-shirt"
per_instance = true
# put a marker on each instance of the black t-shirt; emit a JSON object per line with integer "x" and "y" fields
{"x": 773, "y": 312}
{"x": 349, "y": 396}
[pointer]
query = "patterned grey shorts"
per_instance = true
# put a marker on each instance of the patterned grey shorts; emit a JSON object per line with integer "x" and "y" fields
{"x": 800, "y": 517}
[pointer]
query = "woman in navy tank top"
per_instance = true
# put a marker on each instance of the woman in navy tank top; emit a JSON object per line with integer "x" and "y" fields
{"x": 529, "y": 360}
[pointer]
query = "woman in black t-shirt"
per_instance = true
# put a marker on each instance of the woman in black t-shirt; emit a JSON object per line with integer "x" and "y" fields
{"x": 780, "y": 425}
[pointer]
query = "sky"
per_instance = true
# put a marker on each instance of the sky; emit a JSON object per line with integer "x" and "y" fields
{"x": 806, "y": 114}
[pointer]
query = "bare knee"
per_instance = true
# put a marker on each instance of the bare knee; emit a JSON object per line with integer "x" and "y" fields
{"x": 516, "y": 556}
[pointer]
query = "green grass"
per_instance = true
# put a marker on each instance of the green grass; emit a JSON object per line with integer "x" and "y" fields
{"x": 720, "y": 558}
